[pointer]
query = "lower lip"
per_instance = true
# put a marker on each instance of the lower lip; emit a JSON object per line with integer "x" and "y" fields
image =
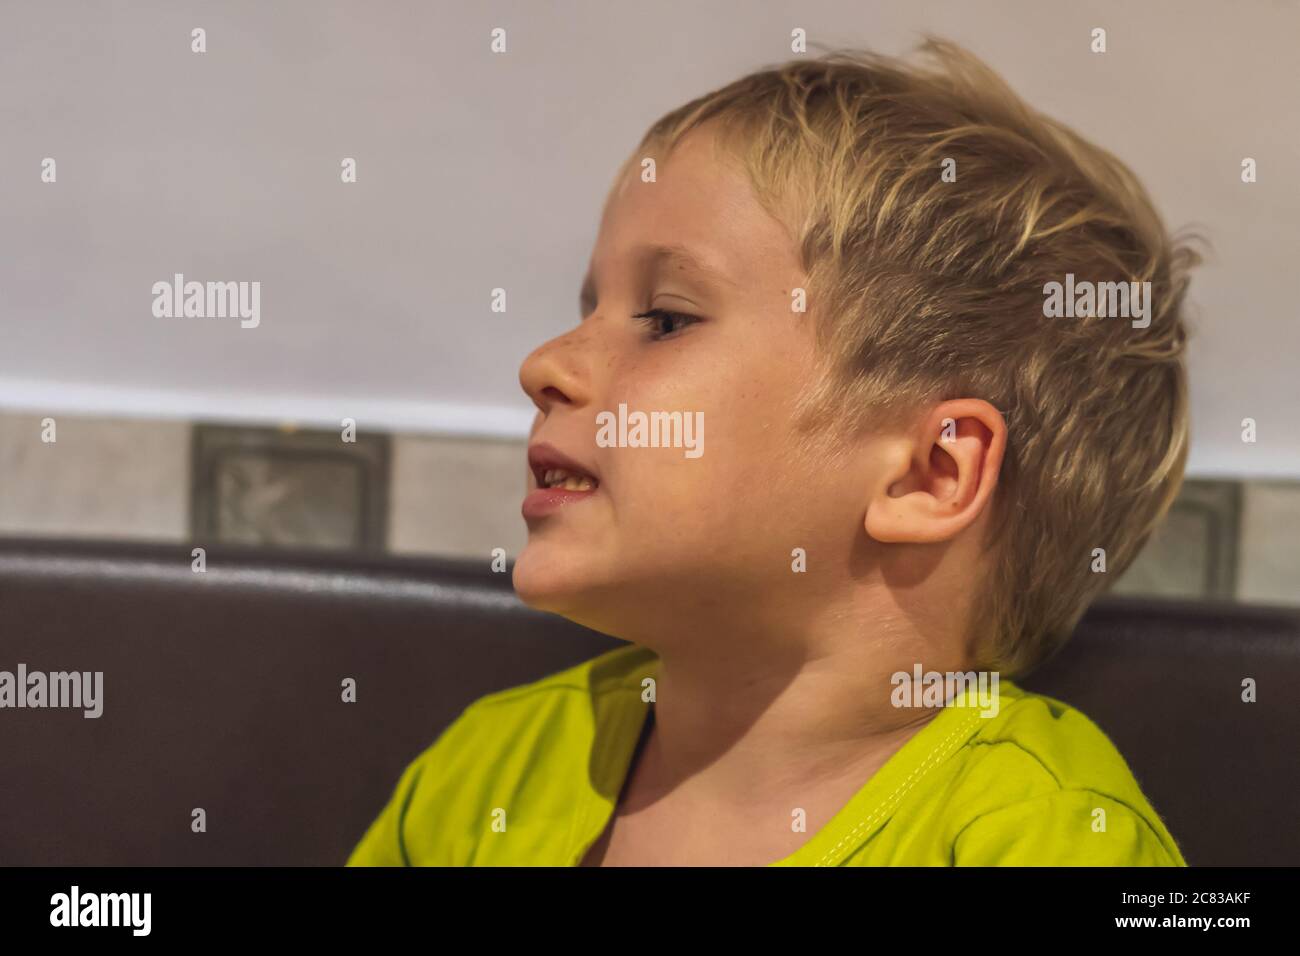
{"x": 544, "y": 501}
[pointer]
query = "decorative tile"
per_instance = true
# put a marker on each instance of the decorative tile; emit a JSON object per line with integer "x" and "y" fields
{"x": 289, "y": 488}
{"x": 1194, "y": 553}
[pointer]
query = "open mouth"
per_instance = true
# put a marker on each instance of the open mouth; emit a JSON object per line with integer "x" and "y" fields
{"x": 556, "y": 471}
{"x": 560, "y": 481}
{"x": 566, "y": 479}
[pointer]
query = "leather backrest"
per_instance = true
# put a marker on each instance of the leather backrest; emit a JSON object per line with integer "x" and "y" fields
{"x": 222, "y": 691}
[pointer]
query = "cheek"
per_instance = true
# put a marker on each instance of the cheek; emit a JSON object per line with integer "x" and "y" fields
{"x": 720, "y": 515}
{"x": 745, "y": 482}
{"x": 740, "y": 487}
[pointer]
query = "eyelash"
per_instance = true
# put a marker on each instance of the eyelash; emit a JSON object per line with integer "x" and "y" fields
{"x": 651, "y": 316}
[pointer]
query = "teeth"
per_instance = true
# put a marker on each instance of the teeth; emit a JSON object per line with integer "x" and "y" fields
{"x": 559, "y": 478}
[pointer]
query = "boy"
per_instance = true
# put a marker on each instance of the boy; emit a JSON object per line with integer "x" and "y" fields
{"x": 843, "y": 267}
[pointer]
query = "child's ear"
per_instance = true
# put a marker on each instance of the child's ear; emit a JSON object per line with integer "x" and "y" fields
{"x": 942, "y": 478}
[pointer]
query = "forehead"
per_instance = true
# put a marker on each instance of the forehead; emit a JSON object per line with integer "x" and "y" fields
{"x": 700, "y": 214}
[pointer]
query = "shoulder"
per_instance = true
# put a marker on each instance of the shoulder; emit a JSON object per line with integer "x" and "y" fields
{"x": 614, "y": 670}
{"x": 1045, "y": 786}
{"x": 497, "y": 715}
{"x": 489, "y": 757}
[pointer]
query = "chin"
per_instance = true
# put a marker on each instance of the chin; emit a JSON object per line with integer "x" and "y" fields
{"x": 547, "y": 581}
{"x": 574, "y": 587}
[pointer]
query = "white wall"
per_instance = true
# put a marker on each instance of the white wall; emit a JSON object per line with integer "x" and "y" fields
{"x": 479, "y": 171}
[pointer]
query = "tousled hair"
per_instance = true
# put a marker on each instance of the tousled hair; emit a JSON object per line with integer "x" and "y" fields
{"x": 925, "y": 290}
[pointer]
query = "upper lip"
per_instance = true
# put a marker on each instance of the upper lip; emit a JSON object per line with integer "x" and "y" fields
{"x": 542, "y": 457}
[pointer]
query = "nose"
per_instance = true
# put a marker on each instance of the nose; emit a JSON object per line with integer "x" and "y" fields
{"x": 556, "y": 373}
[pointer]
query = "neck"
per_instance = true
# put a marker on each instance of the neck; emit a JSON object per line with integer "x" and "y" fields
{"x": 802, "y": 701}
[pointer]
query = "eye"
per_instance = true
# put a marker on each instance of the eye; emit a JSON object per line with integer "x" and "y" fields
{"x": 663, "y": 323}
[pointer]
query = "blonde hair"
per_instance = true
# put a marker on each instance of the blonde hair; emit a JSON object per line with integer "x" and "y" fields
{"x": 925, "y": 290}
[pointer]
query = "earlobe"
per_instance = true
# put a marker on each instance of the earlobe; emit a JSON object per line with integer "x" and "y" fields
{"x": 891, "y": 512}
{"x": 946, "y": 478}
{"x": 889, "y": 522}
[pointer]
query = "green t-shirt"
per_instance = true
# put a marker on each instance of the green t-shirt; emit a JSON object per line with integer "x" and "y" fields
{"x": 530, "y": 776}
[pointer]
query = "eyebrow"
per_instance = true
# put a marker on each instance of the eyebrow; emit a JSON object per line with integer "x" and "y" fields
{"x": 661, "y": 257}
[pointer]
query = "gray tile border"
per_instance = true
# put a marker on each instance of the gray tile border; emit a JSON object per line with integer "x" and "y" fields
{"x": 1270, "y": 543}
{"x": 289, "y": 488}
{"x": 459, "y": 497}
{"x": 100, "y": 478}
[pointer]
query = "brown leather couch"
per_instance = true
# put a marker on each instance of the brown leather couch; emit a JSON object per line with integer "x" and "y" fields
{"x": 222, "y": 691}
